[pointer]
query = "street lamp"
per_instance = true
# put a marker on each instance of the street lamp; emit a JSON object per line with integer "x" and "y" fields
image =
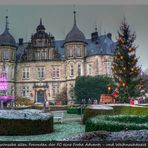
{"x": 109, "y": 88}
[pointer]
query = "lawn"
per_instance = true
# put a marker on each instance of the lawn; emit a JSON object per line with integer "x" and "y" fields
{"x": 66, "y": 115}
{"x": 62, "y": 131}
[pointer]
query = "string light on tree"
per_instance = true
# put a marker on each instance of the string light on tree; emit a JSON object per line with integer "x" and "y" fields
{"x": 130, "y": 49}
{"x": 125, "y": 69}
{"x": 123, "y": 84}
{"x": 132, "y": 69}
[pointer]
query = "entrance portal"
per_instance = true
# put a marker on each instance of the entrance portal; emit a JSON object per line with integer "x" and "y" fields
{"x": 40, "y": 96}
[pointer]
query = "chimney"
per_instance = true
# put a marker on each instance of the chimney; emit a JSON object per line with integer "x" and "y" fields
{"x": 20, "y": 41}
{"x": 94, "y": 36}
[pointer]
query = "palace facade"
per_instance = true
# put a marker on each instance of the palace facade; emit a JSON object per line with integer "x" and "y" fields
{"x": 46, "y": 68}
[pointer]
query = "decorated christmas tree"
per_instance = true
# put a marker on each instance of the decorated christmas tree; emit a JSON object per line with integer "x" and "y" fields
{"x": 125, "y": 69}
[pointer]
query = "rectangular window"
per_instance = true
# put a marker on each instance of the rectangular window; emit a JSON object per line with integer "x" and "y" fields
{"x": 97, "y": 67}
{"x": 71, "y": 52}
{"x": 43, "y": 55}
{"x": 12, "y": 91}
{"x": 25, "y": 91}
{"x": 25, "y": 73}
{"x": 12, "y": 73}
{"x": 71, "y": 70}
{"x": 78, "y": 52}
{"x": 79, "y": 69}
{"x": 108, "y": 68}
{"x": 41, "y": 72}
{"x": 55, "y": 90}
{"x": 89, "y": 69}
{"x": 56, "y": 72}
{"x": 6, "y": 55}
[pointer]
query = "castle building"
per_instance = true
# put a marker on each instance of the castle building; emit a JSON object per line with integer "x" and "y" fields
{"x": 46, "y": 69}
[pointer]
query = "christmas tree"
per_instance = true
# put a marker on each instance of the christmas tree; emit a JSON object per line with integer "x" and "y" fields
{"x": 125, "y": 69}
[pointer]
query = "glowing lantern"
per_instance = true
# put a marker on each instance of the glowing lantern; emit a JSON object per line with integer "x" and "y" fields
{"x": 130, "y": 49}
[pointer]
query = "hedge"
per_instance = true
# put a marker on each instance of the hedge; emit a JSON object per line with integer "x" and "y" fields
{"x": 75, "y": 110}
{"x": 130, "y": 110}
{"x": 117, "y": 123}
{"x": 117, "y": 110}
{"x": 88, "y": 113}
{"x": 55, "y": 107}
{"x": 25, "y": 126}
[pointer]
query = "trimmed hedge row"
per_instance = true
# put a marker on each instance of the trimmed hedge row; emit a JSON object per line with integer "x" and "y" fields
{"x": 25, "y": 126}
{"x": 88, "y": 113}
{"x": 117, "y": 123}
{"x": 75, "y": 110}
{"x": 55, "y": 107}
{"x": 130, "y": 110}
{"x": 117, "y": 110}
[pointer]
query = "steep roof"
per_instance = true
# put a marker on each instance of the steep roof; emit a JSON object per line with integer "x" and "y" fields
{"x": 101, "y": 46}
{"x": 75, "y": 35}
{"x": 6, "y": 38}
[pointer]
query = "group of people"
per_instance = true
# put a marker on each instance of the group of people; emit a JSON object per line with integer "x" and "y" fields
{"x": 89, "y": 101}
{"x": 138, "y": 100}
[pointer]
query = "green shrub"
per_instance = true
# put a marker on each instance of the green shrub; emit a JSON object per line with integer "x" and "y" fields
{"x": 130, "y": 110}
{"x": 25, "y": 126}
{"x": 75, "y": 110}
{"x": 117, "y": 110}
{"x": 51, "y": 103}
{"x": 146, "y": 100}
{"x": 117, "y": 123}
{"x": 55, "y": 107}
{"x": 72, "y": 110}
{"x": 88, "y": 113}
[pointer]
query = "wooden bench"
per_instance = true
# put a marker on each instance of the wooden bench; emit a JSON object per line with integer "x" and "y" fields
{"x": 58, "y": 116}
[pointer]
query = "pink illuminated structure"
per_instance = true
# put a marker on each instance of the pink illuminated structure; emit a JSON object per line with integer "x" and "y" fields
{"x": 4, "y": 86}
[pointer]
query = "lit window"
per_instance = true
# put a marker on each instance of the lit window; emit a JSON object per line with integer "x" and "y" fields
{"x": 25, "y": 74}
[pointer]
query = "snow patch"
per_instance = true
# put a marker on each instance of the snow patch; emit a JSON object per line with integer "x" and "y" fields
{"x": 101, "y": 107}
{"x": 32, "y": 114}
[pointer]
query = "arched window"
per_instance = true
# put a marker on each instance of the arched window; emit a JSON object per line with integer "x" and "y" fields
{"x": 71, "y": 69}
{"x": 79, "y": 69}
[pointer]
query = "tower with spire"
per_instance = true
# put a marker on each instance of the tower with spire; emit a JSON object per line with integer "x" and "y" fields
{"x": 46, "y": 69}
{"x": 74, "y": 46}
{"x": 7, "y": 60}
